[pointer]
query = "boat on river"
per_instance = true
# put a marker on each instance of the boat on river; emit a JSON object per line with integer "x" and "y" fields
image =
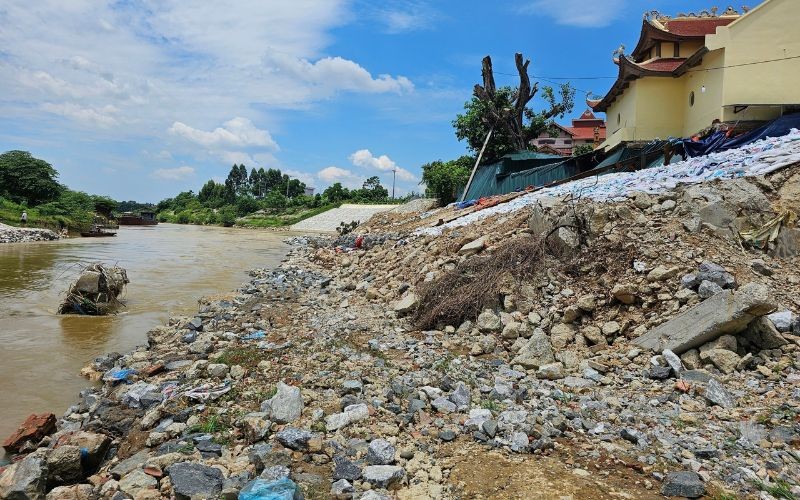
{"x": 140, "y": 219}
{"x": 98, "y": 232}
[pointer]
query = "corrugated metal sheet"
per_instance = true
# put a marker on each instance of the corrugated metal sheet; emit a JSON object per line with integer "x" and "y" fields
{"x": 519, "y": 170}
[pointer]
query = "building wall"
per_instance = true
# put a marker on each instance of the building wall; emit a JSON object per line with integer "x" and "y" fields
{"x": 649, "y": 108}
{"x": 707, "y": 105}
{"x": 768, "y": 32}
{"x": 621, "y": 116}
{"x": 660, "y": 108}
{"x": 562, "y": 141}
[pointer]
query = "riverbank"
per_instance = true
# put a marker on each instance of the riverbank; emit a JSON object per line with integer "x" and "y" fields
{"x": 476, "y": 360}
{"x": 12, "y": 234}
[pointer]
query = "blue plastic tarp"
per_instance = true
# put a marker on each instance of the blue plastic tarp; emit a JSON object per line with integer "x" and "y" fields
{"x": 718, "y": 142}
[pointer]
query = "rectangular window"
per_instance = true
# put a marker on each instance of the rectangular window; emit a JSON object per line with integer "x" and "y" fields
{"x": 658, "y": 49}
{"x": 567, "y": 141}
{"x": 677, "y": 47}
{"x": 547, "y": 141}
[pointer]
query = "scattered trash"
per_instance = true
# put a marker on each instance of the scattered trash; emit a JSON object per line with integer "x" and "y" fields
{"x": 133, "y": 398}
{"x": 768, "y": 233}
{"x": 254, "y": 336}
{"x": 261, "y": 489}
{"x": 118, "y": 375}
{"x": 95, "y": 291}
{"x": 208, "y": 392}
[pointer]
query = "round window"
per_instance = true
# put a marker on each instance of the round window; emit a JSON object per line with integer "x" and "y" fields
{"x": 691, "y": 98}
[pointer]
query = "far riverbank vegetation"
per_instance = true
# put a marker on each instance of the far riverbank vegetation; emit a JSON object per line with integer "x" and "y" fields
{"x": 260, "y": 198}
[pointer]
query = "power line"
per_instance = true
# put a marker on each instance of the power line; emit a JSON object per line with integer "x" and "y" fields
{"x": 746, "y": 64}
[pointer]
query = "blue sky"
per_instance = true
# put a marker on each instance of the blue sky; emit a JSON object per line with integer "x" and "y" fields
{"x": 141, "y": 99}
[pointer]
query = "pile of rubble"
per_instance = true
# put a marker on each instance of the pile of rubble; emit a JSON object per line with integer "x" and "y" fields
{"x": 11, "y": 234}
{"x": 652, "y": 353}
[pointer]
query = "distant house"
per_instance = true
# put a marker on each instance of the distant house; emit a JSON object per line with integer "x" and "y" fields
{"x": 309, "y": 191}
{"x": 588, "y": 129}
{"x": 692, "y": 70}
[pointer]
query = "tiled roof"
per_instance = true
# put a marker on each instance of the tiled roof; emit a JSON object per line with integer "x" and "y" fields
{"x": 587, "y": 132}
{"x": 664, "y": 64}
{"x": 697, "y": 27}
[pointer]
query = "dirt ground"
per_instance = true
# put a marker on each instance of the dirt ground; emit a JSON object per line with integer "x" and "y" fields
{"x": 481, "y": 474}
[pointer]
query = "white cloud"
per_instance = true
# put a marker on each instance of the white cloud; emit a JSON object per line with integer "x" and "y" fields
{"x": 175, "y": 62}
{"x": 173, "y": 174}
{"x": 333, "y": 74}
{"x": 365, "y": 159}
{"x": 331, "y": 175}
{"x": 406, "y": 16}
{"x": 91, "y": 116}
{"x": 238, "y": 132}
{"x": 580, "y": 13}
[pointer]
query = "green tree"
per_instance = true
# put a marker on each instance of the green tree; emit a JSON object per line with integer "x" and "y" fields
{"x": 275, "y": 200}
{"x": 246, "y": 205}
{"x": 336, "y": 193}
{"x": 24, "y": 178}
{"x": 506, "y": 111}
{"x": 445, "y": 179}
{"x": 582, "y": 149}
{"x": 372, "y": 190}
{"x": 227, "y": 215}
{"x": 104, "y": 205}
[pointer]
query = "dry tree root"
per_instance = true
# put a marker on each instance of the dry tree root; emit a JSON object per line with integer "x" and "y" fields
{"x": 475, "y": 284}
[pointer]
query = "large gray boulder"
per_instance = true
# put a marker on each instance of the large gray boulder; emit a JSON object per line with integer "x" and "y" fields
{"x": 286, "y": 405}
{"x": 727, "y": 312}
{"x": 536, "y": 352}
{"x": 193, "y": 480}
{"x": 26, "y": 479}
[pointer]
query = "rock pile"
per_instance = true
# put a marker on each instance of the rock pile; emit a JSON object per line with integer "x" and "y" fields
{"x": 11, "y": 234}
{"x": 646, "y": 355}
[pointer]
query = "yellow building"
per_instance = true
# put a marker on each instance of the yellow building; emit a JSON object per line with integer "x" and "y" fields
{"x": 691, "y": 70}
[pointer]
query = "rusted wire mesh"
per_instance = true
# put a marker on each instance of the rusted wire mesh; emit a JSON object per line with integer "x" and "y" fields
{"x": 105, "y": 284}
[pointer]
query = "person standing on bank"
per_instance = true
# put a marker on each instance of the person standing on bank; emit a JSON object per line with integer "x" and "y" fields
{"x": 24, "y": 218}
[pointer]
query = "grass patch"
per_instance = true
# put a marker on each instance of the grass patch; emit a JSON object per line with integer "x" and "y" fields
{"x": 475, "y": 284}
{"x": 246, "y": 357}
{"x": 491, "y": 404}
{"x": 779, "y": 489}
{"x": 210, "y": 425}
{"x": 283, "y": 219}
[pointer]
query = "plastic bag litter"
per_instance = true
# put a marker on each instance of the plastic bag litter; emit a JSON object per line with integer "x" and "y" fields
{"x": 118, "y": 375}
{"x": 133, "y": 397}
{"x": 169, "y": 389}
{"x": 261, "y": 489}
{"x": 254, "y": 336}
{"x": 208, "y": 392}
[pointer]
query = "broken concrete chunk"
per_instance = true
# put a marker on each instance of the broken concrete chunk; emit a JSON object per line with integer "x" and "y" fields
{"x": 726, "y": 312}
{"x": 717, "y": 394}
{"x": 473, "y": 247}
{"x": 762, "y": 334}
{"x": 407, "y": 304}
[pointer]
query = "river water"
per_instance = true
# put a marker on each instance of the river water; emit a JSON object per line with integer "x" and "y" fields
{"x": 169, "y": 266}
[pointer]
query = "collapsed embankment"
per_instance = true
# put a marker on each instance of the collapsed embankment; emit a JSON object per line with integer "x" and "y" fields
{"x": 475, "y": 361}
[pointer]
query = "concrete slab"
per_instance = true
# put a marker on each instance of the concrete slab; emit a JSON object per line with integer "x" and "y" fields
{"x": 728, "y": 312}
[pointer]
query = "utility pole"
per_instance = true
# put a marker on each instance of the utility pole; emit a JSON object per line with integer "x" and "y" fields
{"x": 394, "y": 175}
{"x": 287, "y": 186}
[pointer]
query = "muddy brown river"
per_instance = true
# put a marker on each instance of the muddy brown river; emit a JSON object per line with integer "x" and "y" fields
{"x": 169, "y": 266}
